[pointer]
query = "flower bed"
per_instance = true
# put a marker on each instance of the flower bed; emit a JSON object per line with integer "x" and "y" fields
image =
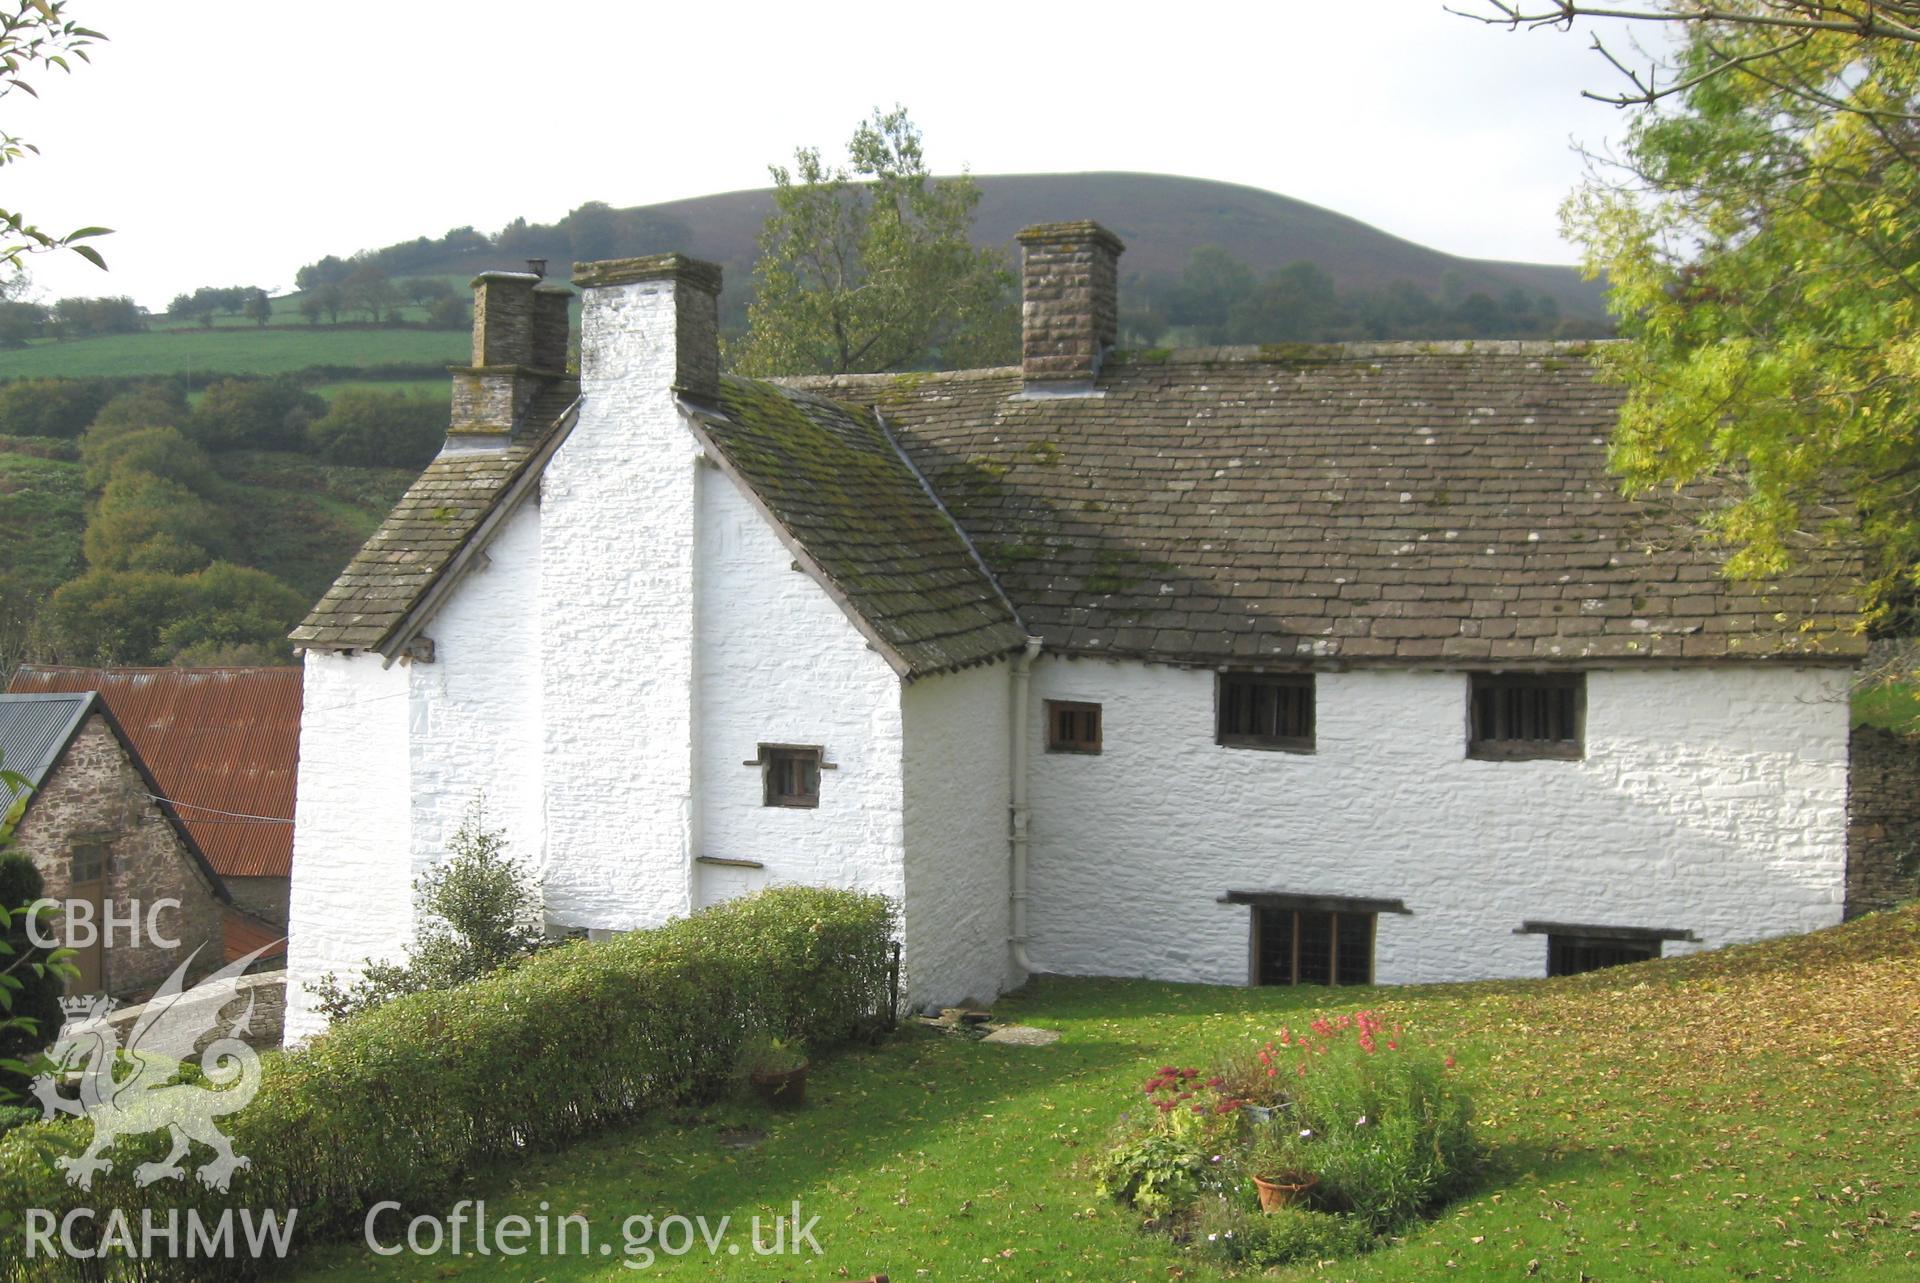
{"x": 1361, "y": 1129}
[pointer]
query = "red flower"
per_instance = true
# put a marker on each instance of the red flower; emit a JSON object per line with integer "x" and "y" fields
{"x": 1216, "y": 1081}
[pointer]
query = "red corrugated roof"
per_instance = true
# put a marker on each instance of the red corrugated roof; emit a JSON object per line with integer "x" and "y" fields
{"x": 242, "y": 933}
{"x": 223, "y": 744}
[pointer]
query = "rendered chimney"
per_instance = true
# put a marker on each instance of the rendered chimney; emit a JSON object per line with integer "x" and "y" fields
{"x": 696, "y": 314}
{"x": 1069, "y": 305}
{"x": 514, "y": 358}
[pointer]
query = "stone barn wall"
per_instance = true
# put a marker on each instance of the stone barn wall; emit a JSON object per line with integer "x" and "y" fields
{"x": 1883, "y": 820}
{"x": 95, "y": 795}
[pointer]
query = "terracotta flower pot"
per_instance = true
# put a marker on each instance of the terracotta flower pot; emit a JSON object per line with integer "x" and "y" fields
{"x": 1284, "y": 1190}
{"x": 782, "y": 1088}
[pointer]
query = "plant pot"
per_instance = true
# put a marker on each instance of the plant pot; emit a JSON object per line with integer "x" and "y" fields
{"x": 1258, "y": 1114}
{"x": 782, "y": 1088}
{"x": 1284, "y": 1191}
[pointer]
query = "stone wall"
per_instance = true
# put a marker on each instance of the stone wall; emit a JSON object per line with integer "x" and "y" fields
{"x": 96, "y": 795}
{"x": 213, "y": 1010}
{"x": 1883, "y": 820}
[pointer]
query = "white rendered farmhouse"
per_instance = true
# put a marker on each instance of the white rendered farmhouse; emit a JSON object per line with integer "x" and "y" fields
{"x": 1339, "y": 664}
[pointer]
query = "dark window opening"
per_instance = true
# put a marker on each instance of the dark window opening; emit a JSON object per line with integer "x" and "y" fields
{"x": 1574, "y": 955}
{"x": 1305, "y": 947}
{"x": 1527, "y": 715}
{"x": 1072, "y": 728}
{"x": 792, "y": 775}
{"x": 1261, "y": 710}
{"x": 89, "y": 863}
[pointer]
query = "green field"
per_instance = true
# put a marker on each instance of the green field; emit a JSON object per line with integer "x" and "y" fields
{"x": 1745, "y": 1114}
{"x": 235, "y": 350}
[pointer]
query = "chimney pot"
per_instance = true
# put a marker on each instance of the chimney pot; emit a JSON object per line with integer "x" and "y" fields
{"x": 1069, "y": 305}
{"x": 538, "y": 266}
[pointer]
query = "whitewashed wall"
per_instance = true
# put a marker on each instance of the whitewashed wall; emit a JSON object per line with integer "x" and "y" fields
{"x": 958, "y": 735}
{"x": 1710, "y": 800}
{"x": 476, "y": 708}
{"x": 352, "y": 867}
{"x": 779, "y": 663}
{"x": 616, "y": 617}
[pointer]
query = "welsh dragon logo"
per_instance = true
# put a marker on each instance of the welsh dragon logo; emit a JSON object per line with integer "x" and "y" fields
{"x": 132, "y": 1091}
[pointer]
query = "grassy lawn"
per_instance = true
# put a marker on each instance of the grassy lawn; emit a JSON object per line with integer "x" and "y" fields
{"x": 1753, "y": 1113}
{"x": 235, "y": 350}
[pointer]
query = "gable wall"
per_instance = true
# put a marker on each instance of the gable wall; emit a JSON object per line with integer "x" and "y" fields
{"x": 1711, "y": 800}
{"x": 779, "y": 663}
{"x": 352, "y": 861}
{"x": 474, "y": 712}
{"x": 96, "y": 794}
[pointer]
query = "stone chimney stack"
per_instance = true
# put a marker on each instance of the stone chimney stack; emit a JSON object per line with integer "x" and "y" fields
{"x": 660, "y": 307}
{"x": 519, "y": 347}
{"x": 550, "y": 326}
{"x": 1069, "y": 305}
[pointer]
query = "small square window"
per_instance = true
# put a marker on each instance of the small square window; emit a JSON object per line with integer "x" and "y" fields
{"x": 88, "y": 863}
{"x": 1072, "y": 728}
{"x": 1521, "y": 715}
{"x": 1569, "y": 955}
{"x": 1265, "y": 710}
{"x": 791, "y": 774}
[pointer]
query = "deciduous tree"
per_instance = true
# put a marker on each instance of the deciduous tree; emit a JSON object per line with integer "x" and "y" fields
{"x": 868, "y": 266}
{"x": 1761, "y": 236}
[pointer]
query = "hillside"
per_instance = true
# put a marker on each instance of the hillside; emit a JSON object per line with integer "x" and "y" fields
{"x": 1163, "y": 219}
{"x": 303, "y": 519}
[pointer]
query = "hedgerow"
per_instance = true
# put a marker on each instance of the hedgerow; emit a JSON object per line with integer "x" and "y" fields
{"x": 402, "y": 1101}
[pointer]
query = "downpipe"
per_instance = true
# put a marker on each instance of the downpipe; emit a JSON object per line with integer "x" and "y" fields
{"x": 1018, "y": 810}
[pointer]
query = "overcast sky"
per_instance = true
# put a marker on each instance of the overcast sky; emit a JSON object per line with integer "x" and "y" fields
{"x": 230, "y": 142}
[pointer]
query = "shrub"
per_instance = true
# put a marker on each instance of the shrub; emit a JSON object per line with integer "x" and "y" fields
{"x": 254, "y": 414}
{"x": 160, "y": 452}
{"x": 380, "y": 429}
{"x": 479, "y": 911}
{"x": 1239, "y": 1233}
{"x": 149, "y": 522}
{"x": 1387, "y": 1124}
{"x": 145, "y": 617}
{"x": 30, "y": 1014}
{"x": 1170, "y": 1150}
{"x": 404, "y": 1101}
{"x": 49, "y": 407}
{"x": 148, "y": 405}
{"x": 1382, "y": 1125}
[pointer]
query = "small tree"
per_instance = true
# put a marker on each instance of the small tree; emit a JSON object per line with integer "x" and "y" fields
{"x": 479, "y": 911}
{"x": 870, "y": 268}
{"x": 259, "y": 308}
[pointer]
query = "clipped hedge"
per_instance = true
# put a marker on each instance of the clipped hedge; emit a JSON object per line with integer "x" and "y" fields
{"x": 401, "y": 1102}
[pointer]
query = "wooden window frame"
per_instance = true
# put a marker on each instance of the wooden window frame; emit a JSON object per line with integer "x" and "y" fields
{"x": 1333, "y": 917}
{"x": 1270, "y": 743}
{"x": 1057, "y": 743}
{"x": 1497, "y": 749}
{"x": 771, "y": 755}
{"x": 1559, "y": 945}
{"x": 99, "y": 846}
{"x": 1649, "y": 942}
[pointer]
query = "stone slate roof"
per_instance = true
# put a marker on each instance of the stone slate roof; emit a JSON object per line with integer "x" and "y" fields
{"x": 431, "y": 523}
{"x": 1346, "y": 503}
{"x": 841, "y": 490}
{"x": 1385, "y": 502}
